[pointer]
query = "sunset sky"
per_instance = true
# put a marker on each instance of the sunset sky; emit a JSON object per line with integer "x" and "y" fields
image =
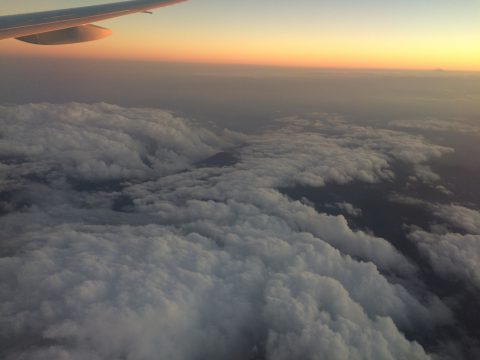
{"x": 412, "y": 34}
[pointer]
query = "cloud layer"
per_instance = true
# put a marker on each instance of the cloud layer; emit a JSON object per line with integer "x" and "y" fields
{"x": 434, "y": 124}
{"x": 124, "y": 239}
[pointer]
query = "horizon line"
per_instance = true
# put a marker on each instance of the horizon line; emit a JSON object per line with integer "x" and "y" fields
{"x": 433, "y": 69}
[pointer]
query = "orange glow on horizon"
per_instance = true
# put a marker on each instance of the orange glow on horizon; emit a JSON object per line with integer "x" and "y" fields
{"x": 372, "y": 35}
{"x": 408, "y": 54}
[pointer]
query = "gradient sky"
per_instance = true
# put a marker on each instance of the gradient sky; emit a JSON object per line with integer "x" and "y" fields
{"x": 413, "y": 34}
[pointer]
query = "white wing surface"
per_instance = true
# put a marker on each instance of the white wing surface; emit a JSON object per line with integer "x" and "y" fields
{"x": 71, "y": 25}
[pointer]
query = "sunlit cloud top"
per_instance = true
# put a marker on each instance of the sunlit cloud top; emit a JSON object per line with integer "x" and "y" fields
{"x": 410, "y": 34}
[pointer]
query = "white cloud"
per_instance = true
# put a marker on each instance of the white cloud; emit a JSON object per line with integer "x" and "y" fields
{"x": 209, "y": 262}
{"x": 454, "y": 253}
{"x": 104, "y": 142}
{"x": 460, "y": 216}
{"x": 327, "y": 331}
{"x": 450, "y": 125}
{"x": 348, "y": 208}
{"x": 451, "y": 253}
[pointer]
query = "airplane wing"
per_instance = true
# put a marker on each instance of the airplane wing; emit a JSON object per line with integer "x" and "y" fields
{"x": 69, "y": 26}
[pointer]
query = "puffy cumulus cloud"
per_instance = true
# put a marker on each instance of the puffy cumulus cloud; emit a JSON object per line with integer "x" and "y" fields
{"x": 452, "y": 244}
{"x": 181, "y": 261}
{"x": 104, "y": 142}
{"x": 351, "y": 152}
{"x": 147, "y": 292}
{"x": 464, "y": 218}
{"x": 328, "y": 330}
{"x": 425, "y": 174}
{"x": 453, "y": 253}
{"x": 224, "y": 198}
{"x": 348, "y": 208}
{"x": 134, "y": 292}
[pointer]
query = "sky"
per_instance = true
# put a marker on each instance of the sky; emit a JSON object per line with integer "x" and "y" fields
{"x": 407, "y": 34}
{"x": 154, "y": 207}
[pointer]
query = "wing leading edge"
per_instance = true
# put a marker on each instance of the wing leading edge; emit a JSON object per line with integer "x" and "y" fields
{"x": 71, "y": 25}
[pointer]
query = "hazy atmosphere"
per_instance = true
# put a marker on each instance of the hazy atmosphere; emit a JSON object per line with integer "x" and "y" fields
{"x": 176, "y": 210}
